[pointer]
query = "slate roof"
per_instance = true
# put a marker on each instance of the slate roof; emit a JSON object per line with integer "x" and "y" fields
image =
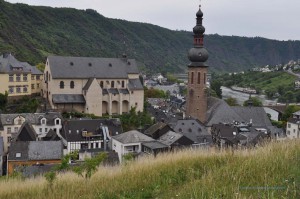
{"x": 8, "y": 62}
{"x": 88, "y": 84}
{"x": 51, "y": 136}
{"x": 135, "y": 84}
{"x": 132, "y": 137}
{"x": 193, "y": 129}
{"x": 113, "y": 91}
{"x": 124, "y": 91}
{"x": 1, "y": 147}
{"x": 257, "y": 114}
{"x": 294, "y": 120}
{"x": 155, "y": 128}
{"x": 219, "y": 111}
{"x": 71, "y": 127}
{"x": 36, "y": 150}
{"x": 26, "y": 133}
{"x": 32, "y": 118}
{"x": 68, "y": 98}
{"x": 154, "y": 145}
{"x": 169, "y": 138}
{"x": 86, "y": 67}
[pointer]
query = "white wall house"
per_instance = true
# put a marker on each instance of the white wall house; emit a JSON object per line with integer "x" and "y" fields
{"x": 41, "y": 122}
{"x": 1, "y": 155}
{"x": 129, "y": 142}
{"x": 293, "y": 126}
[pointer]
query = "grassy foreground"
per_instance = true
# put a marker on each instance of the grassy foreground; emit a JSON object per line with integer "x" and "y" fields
{"x": 272, "y": 171}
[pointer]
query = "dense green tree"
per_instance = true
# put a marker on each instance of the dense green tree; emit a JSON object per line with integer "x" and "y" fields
{"x": 231, "y": 101}
{"x": 154, "y": 93}
{"x": 216, "y": 86}
{"x": 3, "y": 100}
{"x": 289, "y": 111}
{"x": 254, "y": 101}
{"x": 135, "y": 120}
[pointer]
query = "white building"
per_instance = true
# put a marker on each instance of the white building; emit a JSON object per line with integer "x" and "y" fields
{"x": 129, "y": 142}
{"x": 41, "y": 122}
{"x": 293, "y": 126}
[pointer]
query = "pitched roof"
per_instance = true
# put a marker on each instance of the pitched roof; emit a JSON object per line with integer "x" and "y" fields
{"x": 155, "y": 128}
{"x": 26, "y": 133}
{"x": 51, "y": 136}
{"x": 72, "y": 129}
{"x": 68, "y": 98}
{"x": 132, "y": 137}
{"x": 86, "y": 67}
{"x": 88, "y": 84}
{"x": 8, "y": 62}
{"x": 36, "y": 150}
{"x": 169, "y": 138}
{"x": 218, "y": 111}
{"x": 135, "y": 84}
{"x": 155, "y": 145}
{"x": 193, "y": 129}
{"x": 32, "y": 118}
{"x": 257, "y": 115}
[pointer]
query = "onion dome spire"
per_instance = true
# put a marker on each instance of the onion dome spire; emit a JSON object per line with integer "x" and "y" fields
{"x": 198, "y": 54}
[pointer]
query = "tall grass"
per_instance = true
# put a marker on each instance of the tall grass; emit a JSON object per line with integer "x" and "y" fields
{"x": 272, "y": 171}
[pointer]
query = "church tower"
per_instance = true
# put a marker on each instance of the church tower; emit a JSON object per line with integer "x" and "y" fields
{"x": 197, "y": 70}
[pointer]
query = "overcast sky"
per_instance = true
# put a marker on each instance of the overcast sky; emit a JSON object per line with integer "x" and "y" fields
{"x": 274, "y": 19}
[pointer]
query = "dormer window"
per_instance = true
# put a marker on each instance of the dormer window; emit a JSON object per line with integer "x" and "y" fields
{"x": 57, "y": 121}
{"x": 43, "y": 121}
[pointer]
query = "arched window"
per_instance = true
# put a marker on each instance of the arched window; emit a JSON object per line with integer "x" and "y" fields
{"x": 192, "y": 78}
{"x": 101, "y": 84}
{"x": 199, "y": 77}
{"x": 113, "y": 84}
{"x": 61, "y": 84}
{"x": 204, "y": 79}
{"x": 72, "y": 85}
{"x": 123, "y": 84}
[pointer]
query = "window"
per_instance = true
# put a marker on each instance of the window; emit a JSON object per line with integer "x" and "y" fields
{"x": 11, "y": 89}
{"x": 131, "y": 92}
{"x": 289, "y": 125}
{"x": 199, "y": 77}
{"x": 57, "y": 121}
{"x": 24, "y": 77}
{"x": 46, "y": 130}
{"x": 8, "y": 130}
{"x": 18, "y": 89}
{"x": 25, "y": 89}
{"x": 37, "y": 85}
{"x": 43, "y": 121}
{"x": 192, "y": 78}
{"x": 40, "y": 130}
{"x": 16, "y": 129}
{"x": 61, "y": 84}
{"x": 18, "y": 78}
{"x": 123, "y": 84}
{"x": 32, "y": 77}
{"x": 113, "y": 84}
{"x": 204, "y": 79}
{"x": 38, "y": 77}
{"x": 72, "y": 84}
{"x": 18, "y": 155}
{"x": 32, "y": 86}
{"x": 101, "y": 84}
{"x": 11, "y": 78}
{"x": 9, "y": 139}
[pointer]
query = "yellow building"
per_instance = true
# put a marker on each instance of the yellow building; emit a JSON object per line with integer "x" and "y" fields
{"x": 18, "y": 78}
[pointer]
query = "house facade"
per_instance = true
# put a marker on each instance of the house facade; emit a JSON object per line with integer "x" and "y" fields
{"x": 1, "y": 155}
{"x": 42, "y": 123}
{"x": 97, "y": 86}
{"x": 293, "y": 126}
{"x": 19, "y": 78}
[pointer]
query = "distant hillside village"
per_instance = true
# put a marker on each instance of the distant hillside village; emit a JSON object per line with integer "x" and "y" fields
{"x": 88, "y": 106}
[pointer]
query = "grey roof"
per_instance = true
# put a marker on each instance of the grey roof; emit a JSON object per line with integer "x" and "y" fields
{"x": 36, "y": 150}
{"x": 8, "y": 62}
{"x": 36, "y": 71}
{"x": 257, "y": 114}
{"x": 68, "y": 98}
{"x": 218, "y": 111}
{"x": 113, "y": 91}
{"x": 155, "y": 128}
{"x": 193, "y": 129}
{"x": 124, "y": 91}
{"x": 72, "y": 129}
{"x": 135, "y": 84}
{"x": 86, "y": 67}
{"x": 155, "y": 145}
{"x": 132, "y": 137}
{"x": 104, "y": 91}
{"x": 88, "y": 84}
{"x": 1, "y": 146}
{"x": 51, "y": 136}
{"x": 169, "y": 138}
{"x": 296, "y": 113}
{"x": 26, "y": 133}
{"x": 32, "y": 118}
